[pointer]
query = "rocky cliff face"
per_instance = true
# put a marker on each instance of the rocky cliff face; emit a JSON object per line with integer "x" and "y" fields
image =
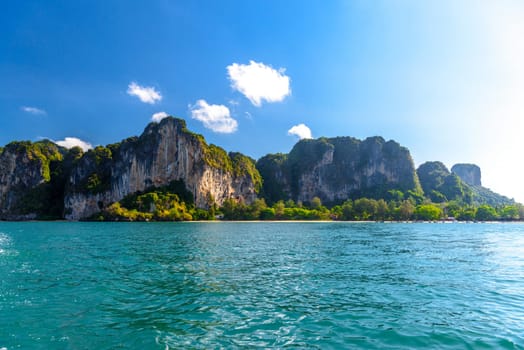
{"x": 440, "y": 185}
{"x": 44, "y": 181}
{"x": 469, "y": 173}
{"x": 335, "y": 169}
{"x": 165, "y": 152}
{"x": 24, "y": 178}
{"x": 462, "y": 184}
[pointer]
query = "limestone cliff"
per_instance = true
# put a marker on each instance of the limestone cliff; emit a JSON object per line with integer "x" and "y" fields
{"x": 469, "y": 173}
{"x": 44, "y": 181}
{"x": 165, "y": 152}
{"x": 335, "y": 169}
{"x": 440, "y": 185}
{"x": 25, "y": 174}
{"x": 462, "y": 184}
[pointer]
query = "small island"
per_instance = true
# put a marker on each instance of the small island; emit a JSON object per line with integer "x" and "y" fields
{"x": 172, "y": 174}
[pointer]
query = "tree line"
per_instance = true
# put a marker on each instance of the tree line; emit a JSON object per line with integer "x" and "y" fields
{"x": 368, "y": 209}
{"x": 175, "y": 203}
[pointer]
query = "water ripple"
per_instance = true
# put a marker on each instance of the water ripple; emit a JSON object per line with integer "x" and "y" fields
{"x": 265, "y": 285}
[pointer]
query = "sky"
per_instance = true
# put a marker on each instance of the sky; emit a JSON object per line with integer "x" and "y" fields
{"x": 443, "y": 78}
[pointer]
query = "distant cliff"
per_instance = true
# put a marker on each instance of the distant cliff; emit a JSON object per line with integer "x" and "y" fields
{"x": 165, "y": 152}
{"x": 440, "y": 185}
{"x": 469, "y": 173}
{"x": 462, "y": 184}
{"x": 335, "y": 169}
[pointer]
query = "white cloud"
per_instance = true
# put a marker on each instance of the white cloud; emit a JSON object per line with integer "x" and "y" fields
{"x": 157, "y": 117}
{"x": 146, "y": 94}
{"x": 259, "y": 82}
{"x": 33, "y": 110}
{"x": 300, "y": 130}
{"x": 214, "y": 117}
{"x": 70, "y": 142}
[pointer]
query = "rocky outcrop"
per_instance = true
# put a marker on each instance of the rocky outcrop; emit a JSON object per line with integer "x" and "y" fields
{"x": 336, "y": 169}
{"x": 461, "y": 184}
{"x": 440, "y": 185}
{"x": 44, "y": 181}
{"x": 469, "y": 173}
{"x": 24, "y": 178}
{"x": 165, "y": 152}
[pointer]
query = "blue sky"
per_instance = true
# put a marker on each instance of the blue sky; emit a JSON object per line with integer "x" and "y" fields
{"x": 443, "y": 78}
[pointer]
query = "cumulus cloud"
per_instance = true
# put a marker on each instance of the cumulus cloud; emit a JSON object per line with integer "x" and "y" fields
{"x": 300, "y": 130}
{"x": 70, "y": 142}
{"x": 157, "y": 117}
{"x": 214, "y": 117}
{"x": 259, "y": 82}
{"x": 33, "y": 110}
{"x": 146, "y": 94}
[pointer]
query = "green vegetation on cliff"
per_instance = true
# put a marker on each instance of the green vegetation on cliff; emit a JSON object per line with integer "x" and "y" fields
{"x": 335, "y": 169}
{"x": 273, "y": 171}
{"x": 234, "y": 163}
{"x": 217, "y": 158}
{"x": 45, "y": 200}
{"x": 440, "y": 185}
{"x": 340, "y": 178}
{"x": 175, "y": 203}
{"x": 306, "y": 154}
{"x": 245, "y": 166}
{"x": 482, "y": 195}
{"x": 172, "y": 202}
{"x": 43, "y": 151}
{"x": 98, "y": 161}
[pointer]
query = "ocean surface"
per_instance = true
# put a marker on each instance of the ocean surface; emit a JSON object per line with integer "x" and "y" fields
{"x": 261, "y": 285}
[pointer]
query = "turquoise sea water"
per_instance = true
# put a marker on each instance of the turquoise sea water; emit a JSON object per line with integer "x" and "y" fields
{"x": 267, "y": 285}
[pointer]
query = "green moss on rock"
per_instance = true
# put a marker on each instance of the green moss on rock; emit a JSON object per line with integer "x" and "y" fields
{"x": 217, "y": 158}
{"x": 244, "y": 165}
{"x": 42, "y": 151}
{"x": 99, "y": 161}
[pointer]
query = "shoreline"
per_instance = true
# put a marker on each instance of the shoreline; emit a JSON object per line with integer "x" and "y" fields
{"x": 282, "y": 221}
